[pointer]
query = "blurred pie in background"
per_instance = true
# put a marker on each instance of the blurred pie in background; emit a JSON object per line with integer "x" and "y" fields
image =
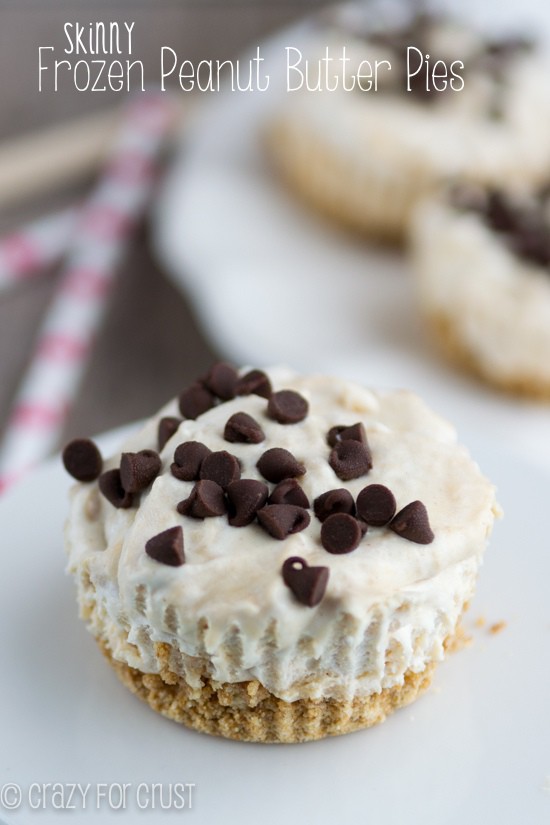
{"x": 403, "y": 104}
{"x": 482, "y": 262}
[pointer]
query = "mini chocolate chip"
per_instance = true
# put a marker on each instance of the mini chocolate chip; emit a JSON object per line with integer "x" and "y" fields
{"x": 280, "y": 520}
{"x": 356, "y": 432}
{"x": 82, "y": 459}
{"x": 340, "y": 533}
{"x": 287, "y": 407}
{"x": 111, "y": 487}
{"x": 376, "y": 505}
{"x": 167, "y": 547}
{"x": 334, "y": 501}
{"x": 245, "y": 497}
{"x": 254, "y": 382}
{"x": 195, "y": 400}
{"x": 289, "y": 491}
{"x": 188, "y": 459}
{"x": 350, "y": 459}
{"x": 222, "y": 381}
{"x": 168, "y": 426}
{"x": 138, "y": 470}
{"x": 221, "y": 467}
{"x": 205, "y": 501}
{"x": 412, "y": 523}
{"x": 277, "y": 464}
{"x": 308, "y": 584}
{"x": 242, "y": 428}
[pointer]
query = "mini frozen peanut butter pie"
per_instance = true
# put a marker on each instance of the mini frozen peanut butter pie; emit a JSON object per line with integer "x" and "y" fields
{"x": 482, "y": 265}
{"x": 383, "y": 109}
{"x": 278, "y": 558}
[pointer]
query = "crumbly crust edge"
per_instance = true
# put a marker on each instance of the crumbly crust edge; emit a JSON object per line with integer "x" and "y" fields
{"x": 247, "y": 712}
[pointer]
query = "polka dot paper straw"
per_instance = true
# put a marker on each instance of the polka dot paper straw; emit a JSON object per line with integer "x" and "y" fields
{"x": 101, "y": 233}
{"x": 32, "y": 249}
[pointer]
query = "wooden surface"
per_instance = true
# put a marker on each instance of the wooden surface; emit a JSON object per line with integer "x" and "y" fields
{"x": 150, "y": 345}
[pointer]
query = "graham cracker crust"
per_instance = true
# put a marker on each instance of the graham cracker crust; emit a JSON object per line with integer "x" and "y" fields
{"x": 523, "y": 386}
{"x": 246, "y": 711}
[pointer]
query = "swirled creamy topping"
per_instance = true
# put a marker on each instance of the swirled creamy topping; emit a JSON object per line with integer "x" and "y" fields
{"x": 183, "y": 573}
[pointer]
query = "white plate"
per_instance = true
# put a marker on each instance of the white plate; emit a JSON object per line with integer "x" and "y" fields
{"x": 474, "y": 749}
{"x": 273, "y": 283}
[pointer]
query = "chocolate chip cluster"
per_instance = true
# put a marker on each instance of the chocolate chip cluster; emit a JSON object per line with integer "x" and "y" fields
{"x": 136, "y": 472}
{"x": 219, "y": 490}
{"x": 346, "y": 521}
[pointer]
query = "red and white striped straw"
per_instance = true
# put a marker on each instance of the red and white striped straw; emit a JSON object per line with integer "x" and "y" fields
{"x": 101, "y": 233}
{"x": 29, "y": 251}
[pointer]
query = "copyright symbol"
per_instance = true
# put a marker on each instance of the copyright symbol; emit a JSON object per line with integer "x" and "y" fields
{"x": 10, "y": 796}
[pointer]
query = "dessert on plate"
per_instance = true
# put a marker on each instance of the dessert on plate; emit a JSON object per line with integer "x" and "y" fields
{"x": 278, "y": 558}
{"x": 427, "y": 99}
{"x": 482, "y": 266}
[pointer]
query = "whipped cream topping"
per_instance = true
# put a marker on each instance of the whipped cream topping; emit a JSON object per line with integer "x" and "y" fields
{"x": 226, "y": 612}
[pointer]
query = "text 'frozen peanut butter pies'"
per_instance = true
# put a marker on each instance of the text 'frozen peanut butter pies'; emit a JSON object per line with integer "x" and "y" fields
{"x": 278, "y": 558}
